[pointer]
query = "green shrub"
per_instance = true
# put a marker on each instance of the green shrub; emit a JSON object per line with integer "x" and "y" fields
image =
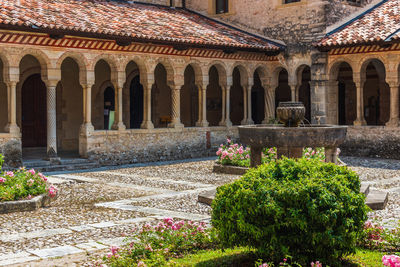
{"x": 306, "y": 208}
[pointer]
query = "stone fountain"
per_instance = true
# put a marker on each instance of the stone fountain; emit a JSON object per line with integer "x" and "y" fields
{"x": 292, "y": 135}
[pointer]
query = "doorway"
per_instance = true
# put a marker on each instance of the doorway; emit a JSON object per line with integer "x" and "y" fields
{"x": 34, "y": 107}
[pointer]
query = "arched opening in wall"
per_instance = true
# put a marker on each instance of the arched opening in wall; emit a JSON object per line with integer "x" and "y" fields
{"x": 282, "y": 92}
{"x": 376, "y": 94}
{"x": 32, "y": 110}
{"x": 109, "y": 108}
{"x": 189, "y": 99}
{"x": 4, "y": 109}
{"x": 161, "y": 102}
{"x": 257, "y": 100}
{"x": 304, "y": 91}
{"x": 347, "y": 95}
{"x": 214, "y": 98}
{"x": 102, "y": 111}
{"x": 236, "y": 98}
{"x": 133, "y": 98}
{"x": 69, "y": 107}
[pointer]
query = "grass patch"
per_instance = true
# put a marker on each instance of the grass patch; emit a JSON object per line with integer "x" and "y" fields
{"x": 245, "y": 257}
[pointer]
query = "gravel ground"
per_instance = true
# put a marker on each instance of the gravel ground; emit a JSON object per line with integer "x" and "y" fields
{"x": 134, "y": 179}
{"x": 187, "y": 203}
{"x": 199, "y": 172}
{"x": 74, "y": 206}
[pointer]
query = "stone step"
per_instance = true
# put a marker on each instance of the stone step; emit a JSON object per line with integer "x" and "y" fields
{"x": 365, "y": 188}
{"x": 377, "y": 200}
{"x": 63, "y": 166}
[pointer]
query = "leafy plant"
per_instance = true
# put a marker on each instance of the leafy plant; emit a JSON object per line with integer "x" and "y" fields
{"x": 23, "y": 184}
{"x": 392, "y": 237}
{"x": 372, "y": 236}
{"x": 154, "y": 245}
{"x": 304, "y": 208}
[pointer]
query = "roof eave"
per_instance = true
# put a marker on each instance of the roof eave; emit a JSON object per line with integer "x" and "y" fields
{"x": 49, "y": 31}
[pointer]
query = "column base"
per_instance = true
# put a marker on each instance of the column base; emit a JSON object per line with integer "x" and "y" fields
{"x": 226, "y": 123}
{"x": 247, "y": 122}
{"x": 14, "y": 130}
{"x": 395, "y": 122}
{"x": 255, "y": 156}
{"x": 120, "y": 126}
{"x": 358, "y": 122}
{"x": 147, "y": 125}
{"x": 331, "y": 154}
{"x": 86, "y": 129}
{"x": 176, "y": 125}
{"x": 202, "y": 124}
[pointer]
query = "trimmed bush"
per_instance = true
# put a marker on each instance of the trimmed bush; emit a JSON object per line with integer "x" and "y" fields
{"x": 304, "y": 208}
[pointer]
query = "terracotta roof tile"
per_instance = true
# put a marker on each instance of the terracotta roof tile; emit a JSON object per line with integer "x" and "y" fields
{"x": 380, "y": 23}
{"x": 139, "y": 21}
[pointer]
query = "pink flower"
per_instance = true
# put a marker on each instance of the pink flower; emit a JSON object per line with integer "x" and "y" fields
{"x": 391, "y": 260}
{"x": 114, "y": 250}
{"x": 141, "y": 264}
{"x": 30, "y": 182}
{"x": 52, "y": 191}
{"x": 219, "y": 152}
{"x": 2, "y": 180}
{"x": 9, "y": 174}
{"x": 29, "y": 197}
{"x": 168, "y": 221}
{"x": 44, "y": 178}
{"x": 32, "y": 171}
{"x": 228, "y": 141}
{"x": 240, "y": 150}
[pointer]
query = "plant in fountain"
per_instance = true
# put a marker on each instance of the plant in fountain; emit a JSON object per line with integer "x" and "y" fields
{"x": 23, "y": 184}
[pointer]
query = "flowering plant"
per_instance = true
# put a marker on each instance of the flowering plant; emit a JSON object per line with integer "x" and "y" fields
{"x": 23, "y": 184}
{"x": 237, "y": 155}
{"x": 154, "y": 244}
{"x": 391, "y": 260}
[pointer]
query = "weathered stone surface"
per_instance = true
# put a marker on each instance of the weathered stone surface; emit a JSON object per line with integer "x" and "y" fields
{"x": 207, "y": 197}
{"x": 56, "y": 252}
{"x": 117, "y": 147}
{"x": 372, "y": 141}
{"x": 25, "y": 205}
{"x": 377, "y": 200}
{"x": 12, "y": 153}
{"x": 219, "y": 168}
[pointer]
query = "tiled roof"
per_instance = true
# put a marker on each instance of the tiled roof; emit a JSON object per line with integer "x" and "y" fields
{"x": 145, "y": 23}
{"x": 381, "y": 23}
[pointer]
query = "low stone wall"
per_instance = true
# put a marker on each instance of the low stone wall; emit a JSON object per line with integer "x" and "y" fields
{"x": 372, "y": 141}
{"x": 139, "y": 145}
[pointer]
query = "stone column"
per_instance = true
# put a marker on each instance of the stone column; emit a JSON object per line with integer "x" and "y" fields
{"x": 245, "y": 105}
{"x": 202, "y": 122}
{"x": 87, "y": 125}
{"x": 249, "y": 107}
{"x": 360, "y": 120}
{"x": 223, "y": 117}
{"x": 52, "y": 122}
{"x": 12, "y": 126}
{"x": 119, "y": 124}
{"x": 394, "y": 105}
{"x": 176, "y": 107}
{"x": 293, "y": 92}
{"x": 147, "y": 123}
{"x": 331, "y": 154}
{"x": 269, "y": 102}
{"x": 255, "y": 156}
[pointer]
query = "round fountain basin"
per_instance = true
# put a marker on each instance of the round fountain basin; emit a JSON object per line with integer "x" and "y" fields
{"x": 303, "y": 136}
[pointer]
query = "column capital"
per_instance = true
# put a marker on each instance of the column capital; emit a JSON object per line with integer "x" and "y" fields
{"x": 51, "y": 83}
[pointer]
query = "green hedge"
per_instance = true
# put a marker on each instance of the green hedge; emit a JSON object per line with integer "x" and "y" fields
{"x": 303, "y": 208}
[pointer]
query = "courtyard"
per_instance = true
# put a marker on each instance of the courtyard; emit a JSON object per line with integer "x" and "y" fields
{"x": 98, "y": 208}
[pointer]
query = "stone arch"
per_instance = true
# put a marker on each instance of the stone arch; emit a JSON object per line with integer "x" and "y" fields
{"x": 189, "y": 99}
{"x": 281, "y": 81}
{"x": 44, "y": 61}
{"x": 303, "y": 88}
{"x": 69, "y": 104}
{"x": 376, "y": 92}
{"x": 244, "y": 73}
{"x": 4, "y": 94}
{"x": 214, "y": 102}
{"x": 198, "y": 72}
{"x": 133, "y": 94}
{"x": 111, "y": 61}
{"x": 80, "y": 59}
{"x": 161, "y": 96}
{"x": 335, "y": 66}
{"x": 238, "y": 94}
{"x": 222, "y": 71}
{"x": 261, "y": 98}
{"x": 169, "y": 67}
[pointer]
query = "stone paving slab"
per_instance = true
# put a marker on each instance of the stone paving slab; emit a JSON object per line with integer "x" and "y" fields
{"x": 21, "y": 257}
{"x": 377, "y": 200}
{"x": 81, "y": 228}
{"x": 35, "y": 234}
{"x": 91, "y": 246}
{"x": 119, "y": 241}
{"x": 56, "y": 252}
{"x": 103, "y": 224}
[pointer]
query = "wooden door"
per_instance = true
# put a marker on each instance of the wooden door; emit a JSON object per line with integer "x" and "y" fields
{"x": 34, "y": 107}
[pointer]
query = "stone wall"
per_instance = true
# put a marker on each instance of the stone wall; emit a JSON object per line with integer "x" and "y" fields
{"x": 372, "y": 141}
{"x": 131, "y": 146}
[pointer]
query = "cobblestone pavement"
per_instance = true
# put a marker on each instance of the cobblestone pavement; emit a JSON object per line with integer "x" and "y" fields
{"x": 98, "y": 208}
